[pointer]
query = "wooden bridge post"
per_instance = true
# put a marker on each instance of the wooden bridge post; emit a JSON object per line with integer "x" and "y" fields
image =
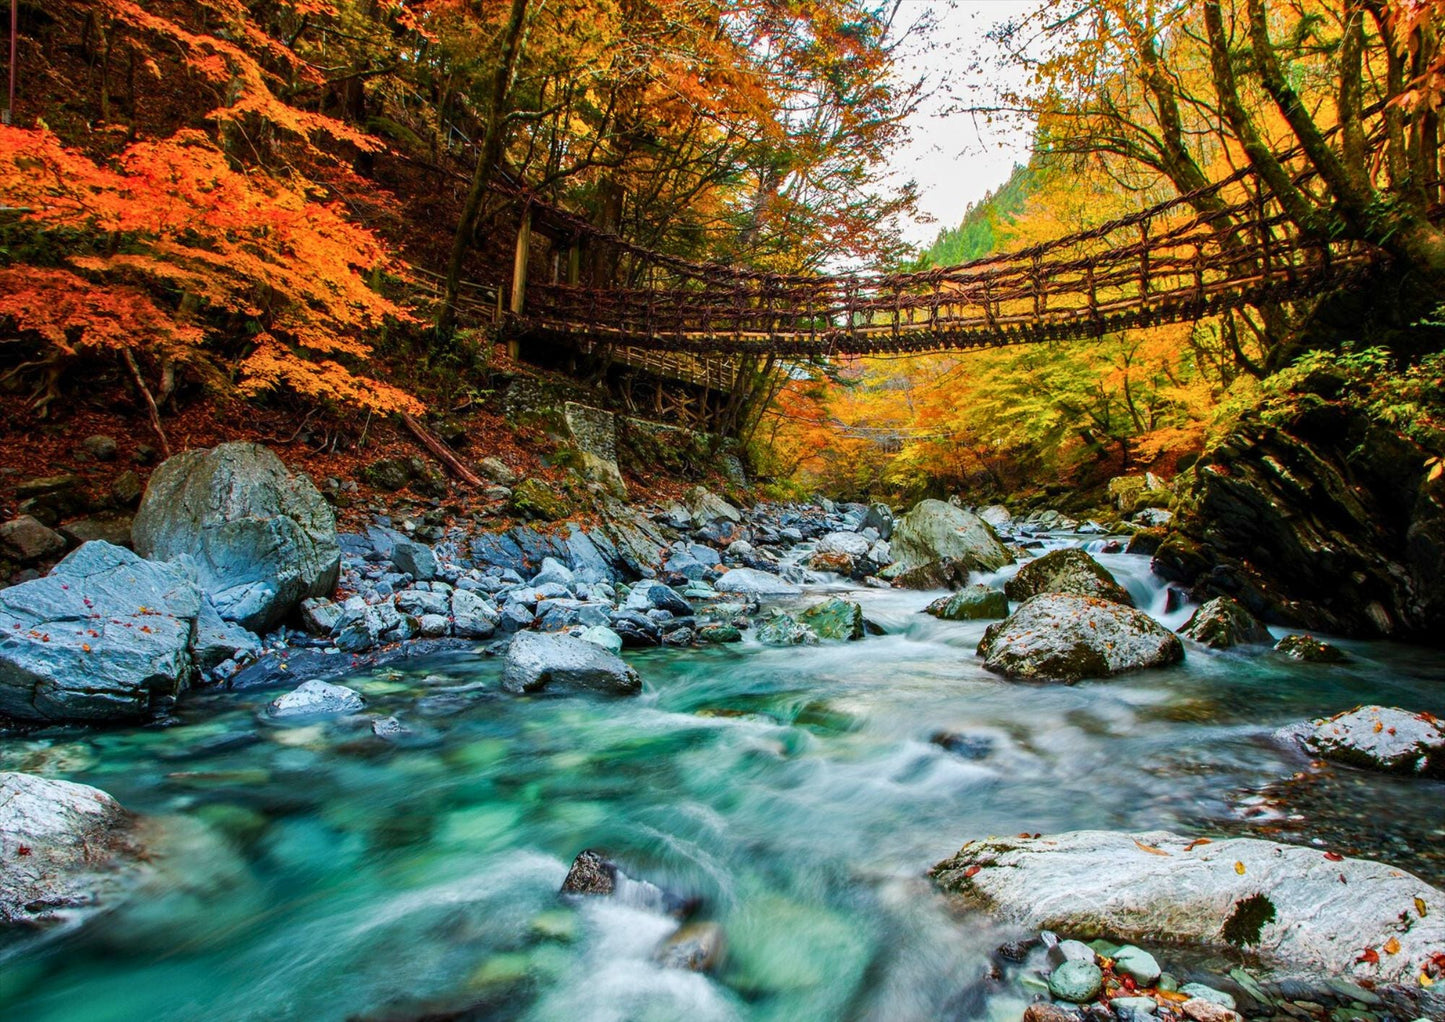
{"x": 520, "y": 259}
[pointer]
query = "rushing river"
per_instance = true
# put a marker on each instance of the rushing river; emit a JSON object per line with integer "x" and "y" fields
{"x": 795, "y": 791}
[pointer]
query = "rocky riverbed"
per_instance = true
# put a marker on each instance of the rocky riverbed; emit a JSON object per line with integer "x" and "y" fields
{"x": 751, "y": 718}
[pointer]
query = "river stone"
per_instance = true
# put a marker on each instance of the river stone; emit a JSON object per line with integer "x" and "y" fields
{"x": 834, "y": 619}
{"x": 603, "y": 637}
{"x": 106, "y": 635}
{"x": 782, "y": 629}
{"x": 849, "y": 543}
{"x": 1207, "y": 993}
{"x": 706, "y": 507}
{"x": 697, "y": 947}
{"x": 1222, "y": 623}
{"x": 1380, "y": 738}
{"x": 1138, "y": 964}
{"x": 75, "y": 839}
{"x": 473, "y": 616}
{"x": 1043, "y": 1011}
{"x": 937, "y": 531}
{"x": 536, "y": 661}
{"x": 258, "y": 537}
{"x": 27, "y": 540}
{"x": 1070, "y": 571}
{"x": 1056, "y": 637}
{"x": 591, "y": 873}
{"x": 320, "y": 615}
{"x": 879, "y": 517}
{"x": 1286, "y": 903}
{"x": 415, "y": 559}
{"x": 217, "y": 640}
{"x": 317, "y": 698}
{"x": 1197, "y": 1009}
{"x": 719, "y": 632}
{"x": 651, "y": 595}
{"x": 1076, "y": 982}
{"x": 752, "y": 582}
{"x": 1310, "y": 650}
{"x": 972, "y": 603}
{"x": 1131, "y": 1009}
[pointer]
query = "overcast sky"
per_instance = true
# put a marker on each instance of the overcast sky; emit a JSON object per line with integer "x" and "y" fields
{"x": 954, "y": 158}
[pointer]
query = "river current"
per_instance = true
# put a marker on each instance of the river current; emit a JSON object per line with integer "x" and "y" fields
{"x": 797, "y": 792}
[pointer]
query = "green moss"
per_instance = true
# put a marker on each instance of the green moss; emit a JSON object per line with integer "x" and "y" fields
{"x": 1245, "y": 923}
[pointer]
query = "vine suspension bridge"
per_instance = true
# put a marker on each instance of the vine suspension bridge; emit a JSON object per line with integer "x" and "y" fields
{"x": 1225, "y": 246}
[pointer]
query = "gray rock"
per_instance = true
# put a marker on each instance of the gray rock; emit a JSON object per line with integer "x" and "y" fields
{"x": 28, "y": 541}
{"x": 649, "y": 595}
{"x": 1207, "y": 993}
{"x": 259, "y": 538}
{"x": 603, "y": 637}
{"x": 315, "y": 699}
{"x": 1308, "y": 649}
{"x": 112, "y": 528}
{"x": 752, "y": 582}
{"x": 1070, "y": 571}
{"x": 782, "y": 629}
{"x": 1076, "y": 982}
{"x": 106, "y": 635}
{"x": 997, "y": 516}
{"x": 880, "y": 519}
{"x": 936, "y": 531}
{"x": 850, "y": 543}
{"x": 99, "y": 447}
{"x": 432, "y": 626}
{"x": 834, "y": 619}
{"x": 416, "y": 559}
{"x": 1133, "y": 1009}
{"x": 1285, "y": 903}
{"x": 320, "y": 615}
{"x": 536, "y": 661}
{"x": 76, "y": 840}
{"x": 1222, "y": 623}
{"x": 1379, "y": 738}
{"x": 972, "y": 603}
{"x": 594, "y": 433}
{"x": 706, "y": 507}
{"x": 554, "y": 572}
{"x": 1055, "y": 637}
{"x": 127, "y": 489}
{"x": 496, "y": 470}
{"x": 217, "y": 640}
{"x": 418, "y": 602}
{"x": 1071, "y": 951}
{"x": 1138, "y": 964}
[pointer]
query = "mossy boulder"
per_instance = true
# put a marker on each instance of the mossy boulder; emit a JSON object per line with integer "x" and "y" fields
{"x": 1071, "y": 571}
{"x": 974, "y": 603}
{"x": 835, "y": 619}
{"x": 1059, "y": 637}
{"x": 1222, "y": 623}
{"x": 533, "y": 498}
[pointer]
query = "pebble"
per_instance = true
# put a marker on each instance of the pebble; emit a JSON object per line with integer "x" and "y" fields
{"x": 1201, "y": 1010}
{"x": 1208, "y": 993}
{"x": 1138, "y": 964}
{"x": 1070, "y": 951}
{"x": 1076, "y": 981}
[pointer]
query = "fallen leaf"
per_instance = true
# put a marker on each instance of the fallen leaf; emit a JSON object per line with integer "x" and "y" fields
{"x": 1420, "y": 907}
{"x": 1392, "y": 946}
{"x": 1370, "y": 957}
{"x": 1150, "y": 848}
{"x": 1196, "y": 843}
{"x": 1334, "y": 856}
{"x": 972, "y": 871}
{"x": 1239, "y": 868}
{"x": 1426, "y": 981}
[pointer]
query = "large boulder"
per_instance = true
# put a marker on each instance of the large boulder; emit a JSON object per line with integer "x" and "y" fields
{"x": 1069, "y": 570}
{"x": 705, "y": 507}
{"x": 258, "y": 537}
{"x": 60, "y": 844}
{"x": 535, "y": 662}
{"x": 106, "y": 635}
{"x": 1222, "y": 623}
{"x": 850, "y": 543}
{"x": 1307, "y": 913}
{"x": 1058, "y": 637}
{"x": 935, "y": 531}
{"x": 972, "y": 603}
{"x": 1378, "y": 738}
{"x": 752, "y": 582}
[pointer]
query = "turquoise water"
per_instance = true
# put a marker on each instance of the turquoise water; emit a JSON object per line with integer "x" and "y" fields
{"x": 317, "y": 872}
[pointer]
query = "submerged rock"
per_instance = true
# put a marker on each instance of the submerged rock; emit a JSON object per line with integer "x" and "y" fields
{"x": 63, "y": 846}
{"x": 591, "y": 873}
{"x": 1076, "y": 981}
{"x": 106, "y": 635}
{"x": 537, "y": 661}
{"x": 782, "y": 629}
{"x": 834, "y": 619}
{"x": 315, "y": 699}
{"x": 258, "y": 537}
{"x": 1222, "y": 623}
{"x": 697, "y": 947}
{"x": 1306, "y": 913}
{"x": 938, "y": 532}
{"x": 1070, "y": 571}
{"x": 973, "y": 603}
{"x": 1378, "y": 738}
{"x": 1056, "y": 637}
{"x": 1310, "y": 650}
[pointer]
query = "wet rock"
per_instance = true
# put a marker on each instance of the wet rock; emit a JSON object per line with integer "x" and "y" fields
{"x": 972, "y": 603}
{"x": 1310, "y": 650}
{"x": 258, "y": 537}
{"x": 320, "y": 615}
{"x": 536, "y": 662}
{"x": 751, "y": 582}
{"x": 969, "y": 746}
{"x": 1138, "y": 964}
{"x": 1045, "y": 1012}
{"x": 603, "y": 637}
{"x": 1378, "y": 738}
{"x": 1200, "y": 1010}
{"x": 316, "y": 699}
{"x": 649, "y": 595}
{"x": 1071, "y": 951}
{"x": 106, "y": 635}
{"x": 1207, "y": 993}
{"x": 65, "y": 847}
{"x": 1056, "y": 637}
{"x": 933, "y": 575}
{"x": 1076, "y": 981}
{"x": 26, "y": 540}
{"x": 216, "y": 640}
{"x": 415, "y": 559}
{"x": 880, "y": 519}
{"x": 1286, "y": 904}
{"x": 473, "y": 617}
{"x": 1222, "y": 623}
{"x": 719, "y": 632}
{"x": 935, "y": 531}
{"x": 697, "y": 947}
{"x": 1070, "y": 571}
{"x": 591, "y": 873}
{"x": 1133, "y": 1009}
{"x": 834, "y": 619}
{"x": 849, "y": 543}
{"x": 782, "y": 629}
